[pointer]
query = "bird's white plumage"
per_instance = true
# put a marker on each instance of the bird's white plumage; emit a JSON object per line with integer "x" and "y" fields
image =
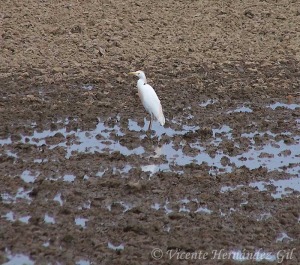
{"x": 150, "y": 101}
{"x": 149, "y": 98}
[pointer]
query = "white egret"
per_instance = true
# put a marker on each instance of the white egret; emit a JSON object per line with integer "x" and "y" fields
{"x": 149, "y": 98}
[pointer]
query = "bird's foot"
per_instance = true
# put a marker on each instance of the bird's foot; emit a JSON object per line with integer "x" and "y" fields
{"x": 150, "y": 133}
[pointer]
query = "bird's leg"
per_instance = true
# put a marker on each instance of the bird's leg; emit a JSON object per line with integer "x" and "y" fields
{"x": 150, "y": 123}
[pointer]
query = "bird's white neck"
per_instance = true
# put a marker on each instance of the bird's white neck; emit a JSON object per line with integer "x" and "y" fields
{"x": 143, "y": 79}
{"x": 141, "y": 82}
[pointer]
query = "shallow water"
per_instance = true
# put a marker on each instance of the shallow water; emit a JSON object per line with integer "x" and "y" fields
{"x": 144, "y": 157}
{"x": 58, "y": 199}
{"x": 48, "y": 219}
{"x": 28, "y": 177}
{"x": 283, "y": 187}
{"x": 83, "y": 262}
{"x": 87, "y": 142}
{"x": 21, "y": 194}
{"x": 208, "y": 102}
{"x": 115, "y": 247}
{"x": 284, "y": 105}
{"x": 241, "y": 109}
{"x": 283, "y": 237}
{"x": 272, "y": 154}
{"x": 17, "y": 259}
{"x": 81, "y": 221}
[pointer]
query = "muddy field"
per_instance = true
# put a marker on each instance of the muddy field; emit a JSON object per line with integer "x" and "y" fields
{"x": 82, "y": 182}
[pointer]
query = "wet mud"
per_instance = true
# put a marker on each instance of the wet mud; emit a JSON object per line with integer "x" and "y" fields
{"x": 82, "y": 182}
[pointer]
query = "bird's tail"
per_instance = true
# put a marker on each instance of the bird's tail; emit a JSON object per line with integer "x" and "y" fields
{"x": 161, "y": 118}
{"x": 159, "y": 115}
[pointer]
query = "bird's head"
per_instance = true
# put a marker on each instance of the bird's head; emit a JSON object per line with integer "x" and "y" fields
{"x": 139, "y": 74}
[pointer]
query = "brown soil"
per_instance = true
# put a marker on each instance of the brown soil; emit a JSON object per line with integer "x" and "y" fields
{"x": 63, "y": 68}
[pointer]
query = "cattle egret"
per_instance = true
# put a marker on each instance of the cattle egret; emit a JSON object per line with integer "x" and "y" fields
{"x": 149, "y": 99}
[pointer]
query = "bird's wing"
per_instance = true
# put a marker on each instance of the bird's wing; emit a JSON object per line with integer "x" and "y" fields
{"x": 151, "y": 101}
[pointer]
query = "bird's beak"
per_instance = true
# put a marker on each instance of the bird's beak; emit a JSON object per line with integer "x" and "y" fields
{"x": 132, "y": 73}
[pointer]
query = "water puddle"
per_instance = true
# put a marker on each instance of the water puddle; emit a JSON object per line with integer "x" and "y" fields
{"x": 69, "y": 178}
{"x": 5, "y": 141}
{"x": 85, "y": 205}
{"x": 208, "y": 102}
{"x": 283, "y": 105}
{"x": 230, "y": 188}
{"x": 115, "y": 247}
{"x": 242, "y": 109}
{"x": 21, "y": 194}
{"x": 88, "y": 87}
{"x": 46, "y": 244}
{"x": 283, "y": 237}
{"x": 184, "y": 205}
{"x": 83, "y": 262}
{"x": 152, "y": 169}
{"x": 203, "y": 210}
{"x": 9, "y": 216}
{"x": 28, "y": 177}
{"x": 98, "y": 139}
{"x": 39, "y": 161}
{"x": 48, "y": 219}
{"x": 165, "y": 207}
{"x": 264, "y": 216}
{"x": 17, "y": 259}
{"x": 283, "y": 187}
{"x": 126, "y": 206}
{"x": 81, "y": 221}
{"x": 159, "y": 130}
{"x": 58, "y": 199}
{"x": 275, "y": 155}
{"x": 25, "y": 219}
{"x": 172, "y": 152}
{"x": 10, "y": 153}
